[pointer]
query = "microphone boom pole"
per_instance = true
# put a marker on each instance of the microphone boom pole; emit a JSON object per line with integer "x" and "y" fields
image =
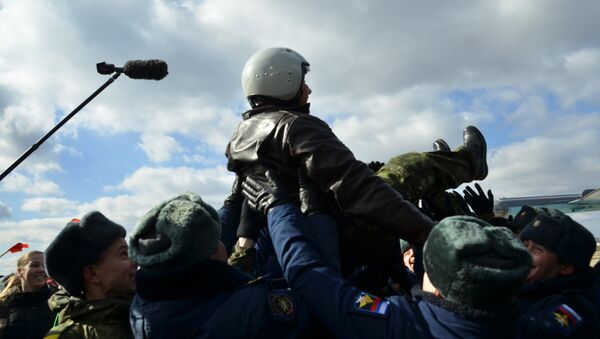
{"x": 59, "y": 125}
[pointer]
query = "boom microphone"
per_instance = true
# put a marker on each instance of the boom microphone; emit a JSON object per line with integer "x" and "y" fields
{"x": 146, "y": 69}
{"x": 137, "y": 69}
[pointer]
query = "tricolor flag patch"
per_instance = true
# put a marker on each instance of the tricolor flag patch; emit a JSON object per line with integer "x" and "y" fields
{"x": 566, "y": 318}
{"x": 370, "y": 304}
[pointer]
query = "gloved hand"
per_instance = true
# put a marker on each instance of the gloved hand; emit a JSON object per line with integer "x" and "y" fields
{"x": 312, "y": 200}
{"x": 481, "y": 204}
{"x": 264, "y": 195}
{"x": 243, "y": 259}
{"x": 375, "y": 166}
{"x": 460, "y": 205}
{"x": 235, "y": 198}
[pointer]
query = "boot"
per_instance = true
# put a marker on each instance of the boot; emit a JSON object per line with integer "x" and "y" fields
{"x": 474, "y": 142}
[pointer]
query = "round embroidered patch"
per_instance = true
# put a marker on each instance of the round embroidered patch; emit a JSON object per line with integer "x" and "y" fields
{"x": 282, "y": 305}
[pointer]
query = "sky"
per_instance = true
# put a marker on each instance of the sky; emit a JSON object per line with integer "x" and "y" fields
{"x": 388, "y": 76}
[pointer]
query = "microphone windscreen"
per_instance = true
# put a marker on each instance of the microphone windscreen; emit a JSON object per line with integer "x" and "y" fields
{"x": 146, "y": 69}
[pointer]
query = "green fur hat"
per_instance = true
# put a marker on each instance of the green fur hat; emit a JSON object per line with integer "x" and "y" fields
{"x": 473, "y": 263}
{"x": 178, "y": 232}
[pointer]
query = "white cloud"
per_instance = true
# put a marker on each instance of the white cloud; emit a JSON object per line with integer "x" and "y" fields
{"x": 49, "y": 206}
{"x": 142, "y": 190}
{"x": 562, "y": 160}
{"x": 382, "y": 127}
{"x": 159, "y": 147}
{"x": 5, "y": 211}
{"x": 37, "y": 233}
{"x": 33, "y": 185}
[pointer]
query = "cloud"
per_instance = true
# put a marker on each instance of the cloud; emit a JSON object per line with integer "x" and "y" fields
{"x": 562, "y": 160}
{"x": 148, "y": 186}
{"x": 5, "y": 211}
{"x": 159, "y": 147}
{"x": 137, "y": 194}
{"x": 38, "y": 233}
{"x": 33, "y": 185}
{"x": 50, "y": 206}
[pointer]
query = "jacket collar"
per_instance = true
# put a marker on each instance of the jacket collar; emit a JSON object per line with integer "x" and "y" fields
{"x": 105, "y": 310}
{"x": 203, "y": 280}
{"x": 567, "y": 283}
{"x": 274, "y": 108}
{"x": 463, "y": 310}
{"x": 17, "y": 294}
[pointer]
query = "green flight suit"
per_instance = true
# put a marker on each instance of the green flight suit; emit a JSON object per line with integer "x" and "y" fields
{"x": 417, "y": 175}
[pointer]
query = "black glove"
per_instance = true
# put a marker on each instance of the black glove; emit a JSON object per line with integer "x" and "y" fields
{"x": 482, "y": 206}
{"x": 235, "y": 198}
{"x": 311, "y": 197}
{"x": 375, "y": 166}
{"x": 460, "y": 205}
{"x": 263, "y": 195}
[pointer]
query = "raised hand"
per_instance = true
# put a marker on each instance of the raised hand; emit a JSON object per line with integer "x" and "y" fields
{"x": 481, "y": 204}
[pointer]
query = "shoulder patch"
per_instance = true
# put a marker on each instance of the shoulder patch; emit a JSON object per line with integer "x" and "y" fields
{"x": 565, "y": 319}
{"x": 283, "y": 305}
{"x": 366, "y": 303}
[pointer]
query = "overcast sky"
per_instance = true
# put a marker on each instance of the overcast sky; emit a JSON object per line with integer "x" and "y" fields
{"x": 389, "y": 76}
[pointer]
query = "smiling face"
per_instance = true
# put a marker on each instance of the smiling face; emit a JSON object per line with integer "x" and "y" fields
{"x": 32, "y": 274}
{"x": 546, "y": 264}
{"x": 114, "y": 274}
{"x": 409, "y": 259}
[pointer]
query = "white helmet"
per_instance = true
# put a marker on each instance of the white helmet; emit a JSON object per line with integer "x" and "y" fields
{"x": 274, "y": 72}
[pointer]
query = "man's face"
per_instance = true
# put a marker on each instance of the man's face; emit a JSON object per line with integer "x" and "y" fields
{"x": 546, "y": 264}
{"x": 116, "y": 271}
{"x": 305, "y": 93}
{"x": 33, "y": 273}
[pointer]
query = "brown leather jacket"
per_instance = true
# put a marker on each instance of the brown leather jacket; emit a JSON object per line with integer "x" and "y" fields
{"x": 287, "y": 140}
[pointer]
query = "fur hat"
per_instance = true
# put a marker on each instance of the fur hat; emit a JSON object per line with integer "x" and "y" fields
{"x": 563, "y": 236}
{"x": 474, "y": 263}
{"x": 178, "y": 232}
{"x": 527, "y": 213}
{"x": 80, "y": 243}
{"x": 404, "y": 245}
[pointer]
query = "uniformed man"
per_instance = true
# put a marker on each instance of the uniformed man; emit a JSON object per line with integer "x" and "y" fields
{"x": 279, "y": 133}
{"x": 473, "y": 272}
{"x": 187, "y": 290}
{"x": 89, "y": 259}
{"x": 558, "y": 299}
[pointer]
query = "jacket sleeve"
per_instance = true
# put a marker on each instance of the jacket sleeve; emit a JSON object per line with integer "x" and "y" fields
{"x": 357, "y": 189}
{"x": 346, "y": 311}
{"x": 573, "y": 317}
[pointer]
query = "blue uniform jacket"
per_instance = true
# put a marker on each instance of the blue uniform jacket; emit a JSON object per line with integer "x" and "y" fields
{"x": 213, "y": 300}
{"x": 559, "y": 307}
{"x": 350, "y": 313}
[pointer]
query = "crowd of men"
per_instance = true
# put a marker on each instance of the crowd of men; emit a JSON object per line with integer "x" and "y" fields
{"x": 314, "y": 243}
